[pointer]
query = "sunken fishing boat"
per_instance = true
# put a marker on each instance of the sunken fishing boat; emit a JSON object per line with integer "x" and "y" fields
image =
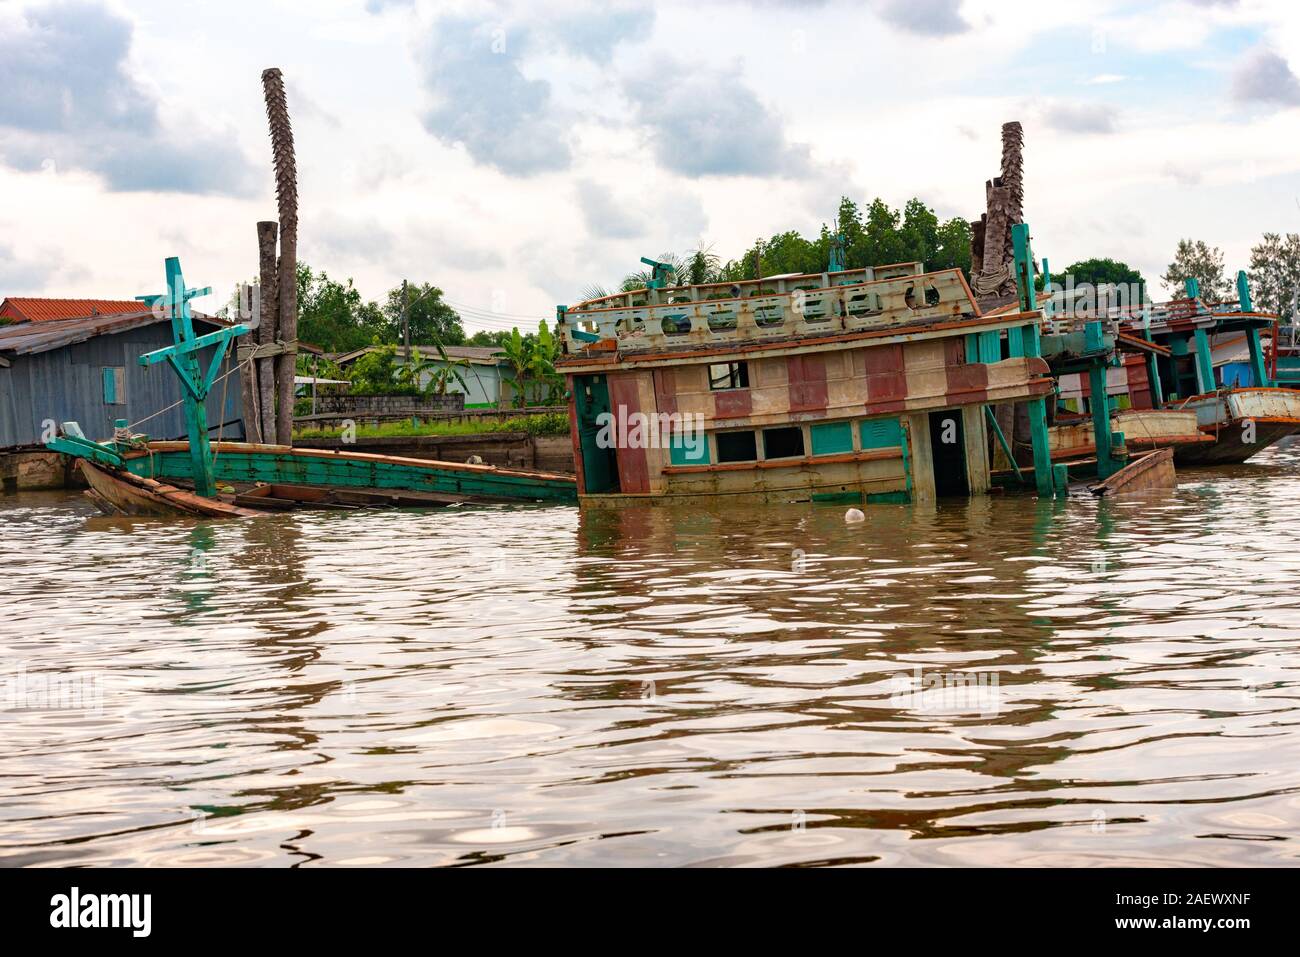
{"x": 130, "y": 474}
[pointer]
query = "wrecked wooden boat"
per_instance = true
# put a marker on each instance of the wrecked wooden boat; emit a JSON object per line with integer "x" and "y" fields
{"x": 1238, "y": 423}
{"x": 1152, "y": 472}
{"x": 118, "y": 492}
{"x": 1211, "y": 352}
{"x": 867, "y": 385}
{"x": 353, "y": 476}
{"x": 132, "y": 475}
{"x": 1144, "y": 430}
{"x": 157, "y": 480}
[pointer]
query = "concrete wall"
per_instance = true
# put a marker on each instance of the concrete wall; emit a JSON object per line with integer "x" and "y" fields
{"x": 362, "y": 405}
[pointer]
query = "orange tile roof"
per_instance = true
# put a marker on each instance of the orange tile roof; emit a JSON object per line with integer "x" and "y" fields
{"x": 43, "y": 310}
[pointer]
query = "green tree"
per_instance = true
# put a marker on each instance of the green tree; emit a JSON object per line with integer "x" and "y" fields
{"x": 531, "y": 358}
{"x": 483, "y": 338}
{"x": 1195, "y": 260}
{"x": 1275, "y": 276}
{"x": 333, "y": 314}
{"x": 378, "y": 373}
{"x": 1100, "y": 272}
{"x": 431, "y": 319}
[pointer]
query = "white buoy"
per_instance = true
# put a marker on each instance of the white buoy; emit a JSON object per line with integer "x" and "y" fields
{"x": 855, "y": 515}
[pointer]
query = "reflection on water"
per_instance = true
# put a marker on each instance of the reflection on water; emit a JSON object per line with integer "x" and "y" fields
{"x": 993, "y": 682}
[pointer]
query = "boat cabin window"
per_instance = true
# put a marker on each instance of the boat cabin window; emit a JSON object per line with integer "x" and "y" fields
{"x": 737, "y": 447}
{"x": 783, "y": 443}
{"x": 728, "y": 375}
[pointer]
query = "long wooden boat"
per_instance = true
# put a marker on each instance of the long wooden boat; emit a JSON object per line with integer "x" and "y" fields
{"x": 273, "y": 478}
{"x": 1240, "y": 422}
{"x": 245, "y": 463}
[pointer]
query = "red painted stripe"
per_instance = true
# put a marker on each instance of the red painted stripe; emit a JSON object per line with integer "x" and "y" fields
{"x": 732, "y": 404}
{"x": 807, "y": 375}
{"x": 963, "y": 381}
{"x": 885, "y": 375}
{"x": 665, "y": 390}
{"x": 633, "y": 469}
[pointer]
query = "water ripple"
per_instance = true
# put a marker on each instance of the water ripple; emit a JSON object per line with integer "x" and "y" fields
{"x": 994, "y": 682}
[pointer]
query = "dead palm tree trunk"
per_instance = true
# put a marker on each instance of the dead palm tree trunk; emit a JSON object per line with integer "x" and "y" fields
{"x": 267, "y": 329}
{"x": 286, "y": 195}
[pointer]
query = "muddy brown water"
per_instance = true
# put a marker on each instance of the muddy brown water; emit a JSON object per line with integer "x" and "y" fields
{"x": 998, "y": 681}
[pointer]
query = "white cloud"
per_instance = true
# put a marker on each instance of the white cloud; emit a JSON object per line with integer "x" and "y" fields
{"x": 1264, "y": 76}
{"x": 69, "y": 98}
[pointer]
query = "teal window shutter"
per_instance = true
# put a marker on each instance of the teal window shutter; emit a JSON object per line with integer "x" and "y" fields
{"x": 113, "y": 385}
{"x": 829, "y": 438}
{"x": 881, "y": 433}
{"x": 692, "y": 449}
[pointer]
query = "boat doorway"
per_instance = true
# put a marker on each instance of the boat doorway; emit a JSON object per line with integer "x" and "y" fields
{"x": 591, "y": 404}
{"x": 948, "y": 451}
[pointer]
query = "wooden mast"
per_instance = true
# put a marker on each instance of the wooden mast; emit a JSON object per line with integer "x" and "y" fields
{"x": 183, "y": 357}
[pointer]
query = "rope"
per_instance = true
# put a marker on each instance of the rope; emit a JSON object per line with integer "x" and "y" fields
{"x": 989, "y": 282}
{"x": 182, "y": 401}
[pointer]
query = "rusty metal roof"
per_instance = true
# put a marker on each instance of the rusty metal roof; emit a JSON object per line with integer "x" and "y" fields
{"x": 26, "y": 338}
{"x": 29, "y": 309}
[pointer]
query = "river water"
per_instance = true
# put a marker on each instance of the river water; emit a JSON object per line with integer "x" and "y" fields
{"x": 996, "y": 682}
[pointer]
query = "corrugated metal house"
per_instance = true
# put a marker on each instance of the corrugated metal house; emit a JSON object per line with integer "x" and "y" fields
{"x": 87, "y": 370}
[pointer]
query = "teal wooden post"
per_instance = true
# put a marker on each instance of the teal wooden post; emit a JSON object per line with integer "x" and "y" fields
{"x": 837, "y": 257}
{"x": 1153, "y": 364}
{"x": 1100, "y": 402}
{"x": 1204, "y": 364}
{"x": 1258, "y": 367}
{"x": 1193, "y": 289}
{"x": 183, "y": 357}
{"x": 1030, "y": 345}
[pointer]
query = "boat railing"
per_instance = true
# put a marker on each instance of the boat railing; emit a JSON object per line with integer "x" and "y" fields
{"x": 914, "y": 298}
{"x": 1064, "y": 325}
{"x": 747, "y": 288}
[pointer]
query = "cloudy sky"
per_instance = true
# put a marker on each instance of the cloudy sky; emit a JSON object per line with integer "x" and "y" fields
{"x": 514, "y": 153}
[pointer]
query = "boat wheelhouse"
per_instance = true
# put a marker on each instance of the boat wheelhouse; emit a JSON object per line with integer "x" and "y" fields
{"x": 870, "y": 385}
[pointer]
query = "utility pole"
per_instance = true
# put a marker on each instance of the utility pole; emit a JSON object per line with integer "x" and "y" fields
{"x": 406, "y": 321}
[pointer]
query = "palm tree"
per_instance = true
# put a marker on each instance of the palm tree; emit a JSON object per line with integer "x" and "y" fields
{"x": 286, "y": 197}
{"x": 516, "y": 352}
{"x": 443, "y": 371}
